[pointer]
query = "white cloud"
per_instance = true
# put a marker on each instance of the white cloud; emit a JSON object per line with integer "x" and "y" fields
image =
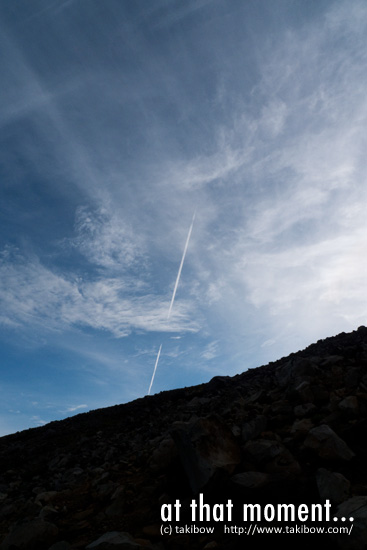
{"x": 76, "y": 408}
{"x": 273, "y": 118}
{"x": 297, "y": 255}
{"x": 169, "y": 17}
{"x": 33, "y": 295}
{"x": 210, "y": 351}
{"x": 106, "y": 240}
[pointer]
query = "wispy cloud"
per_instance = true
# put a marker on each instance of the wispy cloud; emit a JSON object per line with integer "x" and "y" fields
{"x": 172, "y": 14}
{"x": 34, "y": 295}
{"x": 210, "y": 351}
{"x": 76, "y": 408}
{"x": 296, "y": 253}
{"x": 106, "y": 240}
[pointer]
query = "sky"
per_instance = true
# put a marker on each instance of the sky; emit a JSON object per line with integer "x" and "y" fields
{"x": 120, "y": 120}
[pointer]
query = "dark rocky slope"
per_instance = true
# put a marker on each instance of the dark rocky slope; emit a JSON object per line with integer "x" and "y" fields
{"x": 293, "y": 431}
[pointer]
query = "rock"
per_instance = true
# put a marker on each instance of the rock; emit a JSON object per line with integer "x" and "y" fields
{"x": 205, "y": 446}
{"x": 45, "y": 497}
{"x": 303, "y": 392}
{"x": 349, "y": 405}
{"x": 272, "y": 455}
{"x": 321, "y": 394}
{"x": 8, "y": 509}
{"x": 260, "y": 451}
{"x": 47, "y": 513}
{"x": 152, "y": 531}
{"x": 355, "y": 507}
{"x": 296, "y": 371}
{"x": 163, "y": 455}
{"x": 38, "y": 490}
{"x": 301, "y": 427}
{"x": 304, "y": 410}
{"x": 253, "y": 428}
{"x": 260, "y": 396}
{"x": 62, "y": 545}
{"x": 196, "y": 402}
{"x": 327, "y": 444}
{"x": 218, "y": 382}
{"x": 332, "y": 485}
{"x": 105, "y": 490}
{"x": 118, "y": 506}
{"x": 281, "y": 407}
{"x": 331, "y": 360}
{"x": 236, "y": 430}
{"x": 115, "y": 540}
{"x": 30, "y": 535}
{"x": 251, "y": 480}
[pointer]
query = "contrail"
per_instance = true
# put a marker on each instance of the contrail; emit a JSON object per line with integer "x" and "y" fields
{"x": 155, "y": 368}
{"x": 173, "y": 295}
{"x": 181, "y": 265}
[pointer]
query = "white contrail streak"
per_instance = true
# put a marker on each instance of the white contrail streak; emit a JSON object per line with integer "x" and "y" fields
{"x": 181, "y": 265}
{"x": 173, "y": 295}
{"x": 155, "y": 368}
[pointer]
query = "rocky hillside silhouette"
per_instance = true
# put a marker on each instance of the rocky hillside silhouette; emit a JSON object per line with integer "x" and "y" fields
{"x": 293, "y": 431}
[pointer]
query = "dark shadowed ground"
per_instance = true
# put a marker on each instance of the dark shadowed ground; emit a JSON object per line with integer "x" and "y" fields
{"x": 291, "y": 432}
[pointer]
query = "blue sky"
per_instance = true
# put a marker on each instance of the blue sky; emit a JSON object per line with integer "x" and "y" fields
{"x": 120, "y": 119}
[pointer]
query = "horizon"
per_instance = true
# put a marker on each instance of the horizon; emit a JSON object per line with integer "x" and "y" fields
{"x": 147, "y": 395}
{"x": 123, "y": 124}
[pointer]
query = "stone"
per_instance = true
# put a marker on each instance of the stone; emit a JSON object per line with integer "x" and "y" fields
{"x": 303, "y": 392}
{"x": 30, "y": 535}
{"x": 205, "y": 446}
{"x": 251, "y": 480}
{"x": 356, "y": 508}
{"x": 253, "y": 428}
{"x": 152, "y": 531}
{"x": 45, "y": 497}
{"x": 163, "y": 454}
{"x": 306, "y": 409}
{"x": 349, "y": 405}
{"x": 327, "y": 444}
{"x": 332, "y": 486}
{"x": 296, "y": 371}
{"x": 105, "y": 490}
{"x": 260, "y": 396}
{"x": 261, "y": 451}
{"x": 302, "y": 427}
{"x": 115, "y": 540}
{"x": 118, "y": 506}
{"x": 271, "y": 455}
{"x": 48, "y": 513}
{"x": 62, "y": 545}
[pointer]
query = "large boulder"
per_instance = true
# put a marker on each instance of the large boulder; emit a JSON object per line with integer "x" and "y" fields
{"x": 272, "y": 456}
{"x": 296, "y": 371}
{"x": 115, "y": 540}
{"x": 205, "y": 446}
{"x": 327, "y": 444}
{"x": 30, "y": 535}
{"x": 253, "y": 428}
{"x": 251, "y": 480}
{"x": 356, "y": 538}
{"x": 332, "y": 486}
